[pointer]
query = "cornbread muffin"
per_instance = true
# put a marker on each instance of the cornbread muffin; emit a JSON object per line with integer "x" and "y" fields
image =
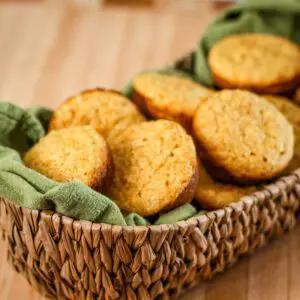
{"x": 166, "y": 96}
{"x": 213, "y": 194}
{"x": 292, "y": 113}
{"x": 108, "y": 112}
{"x": 242, "y": 137}
{"x": 77, "y": 153}
{"x": 155, "y": 168}
{"x": 259, "y": 62}
{"x": 297, "y": 95}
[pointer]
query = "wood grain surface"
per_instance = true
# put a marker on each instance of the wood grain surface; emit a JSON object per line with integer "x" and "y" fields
{"x": 49, "y": 52}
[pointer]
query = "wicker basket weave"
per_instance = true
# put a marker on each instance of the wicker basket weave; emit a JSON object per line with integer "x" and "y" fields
{"x": 68, "y": 259}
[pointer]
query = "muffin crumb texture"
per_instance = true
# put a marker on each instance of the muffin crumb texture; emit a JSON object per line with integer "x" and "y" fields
{"x": 213, "y": 194}
{"x": 243, "y": 136}
{"x": 109, "y": 112}
{"x": 167, "y": 96}
{"x": 77, "y": 153}
{"x": 292, "y": 112}
{"x": 155, "y": 168}
{"x": 259, "y": 62}
{"x": 297, "y": 95}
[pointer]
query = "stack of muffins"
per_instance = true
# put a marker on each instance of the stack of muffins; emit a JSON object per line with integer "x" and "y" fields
{"x": 178, "y": 140}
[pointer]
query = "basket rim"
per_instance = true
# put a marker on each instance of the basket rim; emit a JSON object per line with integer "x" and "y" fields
{"x": 271, "y": 190}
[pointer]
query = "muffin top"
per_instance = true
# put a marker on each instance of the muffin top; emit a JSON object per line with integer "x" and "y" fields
{"x": 168, "y": 96}
{"x": 244, "y": 135}
{"x": 292, "y": 112}
{"x": 155, "y": 168}
{"x": 213, "y": 194}
{"x": 258, "y": 62}
{"x": 108, "y": 112}
{"x": 76, "y": 153}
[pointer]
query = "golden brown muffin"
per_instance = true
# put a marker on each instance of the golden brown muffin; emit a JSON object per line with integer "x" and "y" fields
{"x": 77, "y": 153}
{"x": 108, "y": 112}
{"x": 297, "y": 95}
{"x": 213, "y": 194}
{"x": 155, "y": 168}
{"x": 292, "y": 113}
{"x": 166, "y": 96}
{"x": 258, "y": 62}
{"x": 242, "y": 137}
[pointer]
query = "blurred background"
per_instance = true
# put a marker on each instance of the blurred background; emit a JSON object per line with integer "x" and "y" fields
{"x": 51, "y": 49}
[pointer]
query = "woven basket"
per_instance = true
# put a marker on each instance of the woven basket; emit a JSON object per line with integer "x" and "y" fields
{"x": 68, "y": 259}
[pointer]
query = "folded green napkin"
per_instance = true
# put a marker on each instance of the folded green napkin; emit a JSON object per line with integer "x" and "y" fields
{"x": 19, "y": 130}
{"x": 180, "y": 213}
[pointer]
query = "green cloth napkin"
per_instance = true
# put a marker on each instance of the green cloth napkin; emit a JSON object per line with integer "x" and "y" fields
{"x": 181, "y": 213}
{"x": 127, "y": 89}
{"x": 19, "y": 130}
{"x": 42, "y": 114}
{"x": 279, "y": 17}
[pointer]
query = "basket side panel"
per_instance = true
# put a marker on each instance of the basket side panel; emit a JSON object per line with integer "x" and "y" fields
{"x": 69, "y": 259}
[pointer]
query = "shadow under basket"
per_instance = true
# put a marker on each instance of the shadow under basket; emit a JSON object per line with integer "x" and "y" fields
{"x": 68, "y": 259}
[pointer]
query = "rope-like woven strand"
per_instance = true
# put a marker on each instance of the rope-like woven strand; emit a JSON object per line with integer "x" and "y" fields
{"x": 68, "y": 259}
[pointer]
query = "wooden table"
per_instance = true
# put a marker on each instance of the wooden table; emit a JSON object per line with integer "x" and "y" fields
{"x": 50, "y": 52}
